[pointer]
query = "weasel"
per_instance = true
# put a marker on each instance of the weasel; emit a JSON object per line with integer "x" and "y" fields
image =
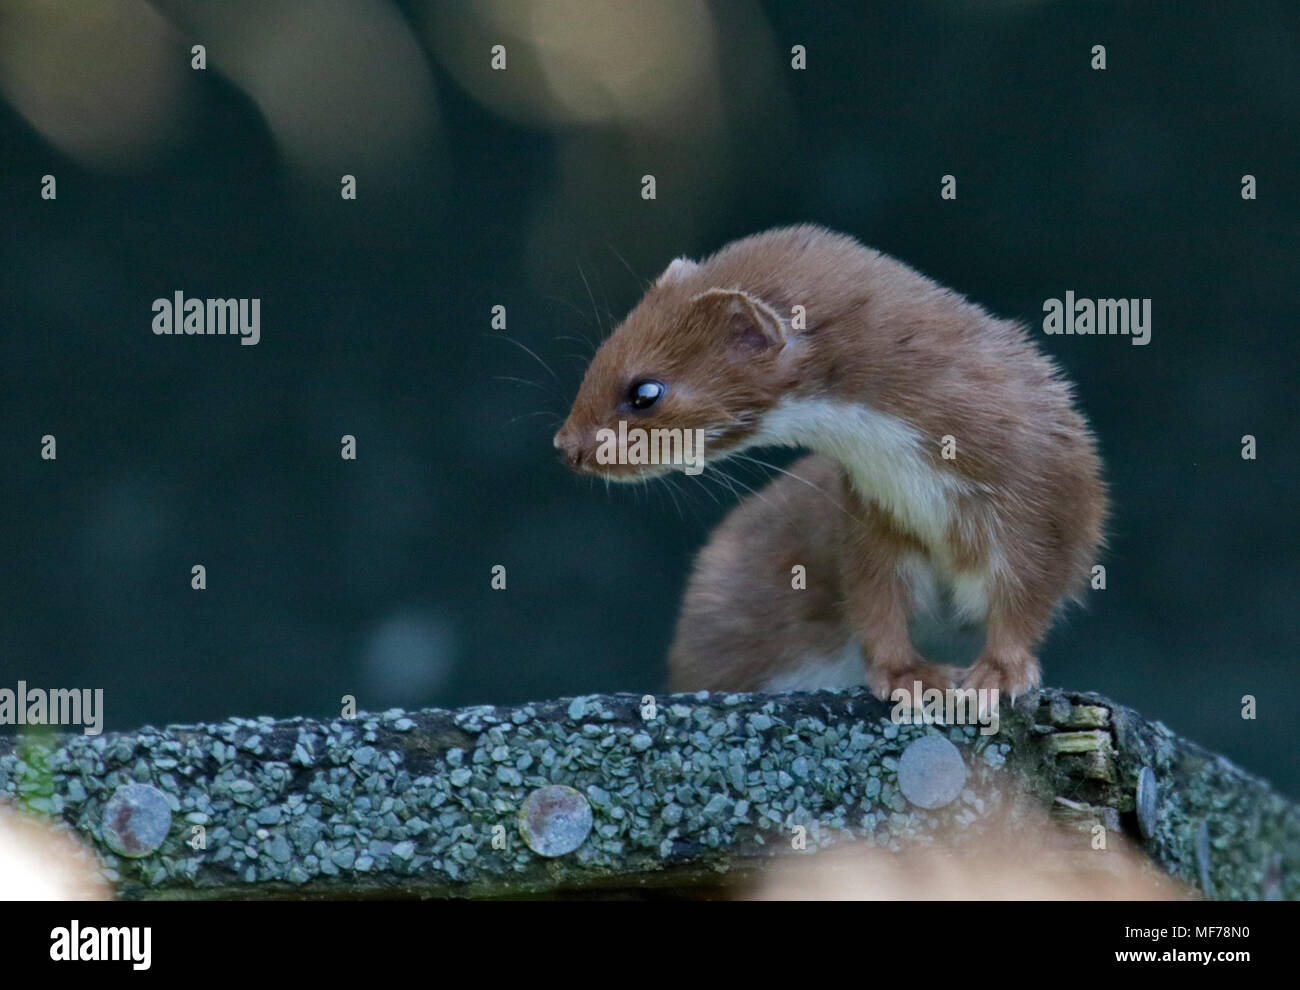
{"x": 947, "y": 452}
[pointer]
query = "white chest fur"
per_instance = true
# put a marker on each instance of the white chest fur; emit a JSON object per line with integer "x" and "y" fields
{"x": 884, "y": 457}
{"x": 888, "y": 463}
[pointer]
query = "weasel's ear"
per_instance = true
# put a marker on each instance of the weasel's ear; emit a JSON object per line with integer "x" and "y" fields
{"x": 752, "y": 325}
{"x": 679, "y": 268}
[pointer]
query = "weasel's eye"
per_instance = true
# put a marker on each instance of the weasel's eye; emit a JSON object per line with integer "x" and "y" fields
{"x": 644, "y": 394}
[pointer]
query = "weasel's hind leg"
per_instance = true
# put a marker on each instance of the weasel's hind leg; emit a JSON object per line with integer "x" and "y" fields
{"x": 763, "y": 610}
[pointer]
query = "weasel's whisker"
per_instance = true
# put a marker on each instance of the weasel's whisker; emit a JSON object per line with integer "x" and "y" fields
{"x": 644, "y": 284}
{"x": 527, "y": 350}
{"x": 594, "y": 308}
{"x": 699, "y": 480}
{"x": 757, "y": 493}
{"x": 722, "y": 480}
{"x": 609, "y": 313}
{"x": 672, "y": 493}
{"x": 584, "y": 341}
{"x": 550, "y": 389}
{"x": 790, "y": 474}
{"x": 556, "y": 417}
{"x": 580, "y": 337}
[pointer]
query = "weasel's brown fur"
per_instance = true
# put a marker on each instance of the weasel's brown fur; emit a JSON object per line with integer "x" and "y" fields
{"x": 888, "y": 367}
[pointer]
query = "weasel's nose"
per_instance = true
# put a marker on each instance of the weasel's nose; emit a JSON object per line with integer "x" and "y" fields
{"x": 569, "y": 448}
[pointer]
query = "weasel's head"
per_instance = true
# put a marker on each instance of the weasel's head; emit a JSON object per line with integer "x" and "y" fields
{"x": 689, "y": 357}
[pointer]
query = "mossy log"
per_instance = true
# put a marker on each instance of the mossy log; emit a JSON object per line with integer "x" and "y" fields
{"x": 683, "y": 792}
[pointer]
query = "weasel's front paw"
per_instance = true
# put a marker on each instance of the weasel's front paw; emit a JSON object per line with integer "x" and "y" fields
{"x": 884, "y": 681}
{"x": 1012, "y": 673}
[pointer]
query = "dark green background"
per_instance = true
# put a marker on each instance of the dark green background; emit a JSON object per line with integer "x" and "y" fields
{"x": 375, "y": 322}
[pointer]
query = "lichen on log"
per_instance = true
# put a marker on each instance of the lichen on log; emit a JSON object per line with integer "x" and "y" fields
{"x": 687, "y": 791}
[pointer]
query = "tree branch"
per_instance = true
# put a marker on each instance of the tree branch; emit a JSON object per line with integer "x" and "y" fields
{"x": 704, "y": 793}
